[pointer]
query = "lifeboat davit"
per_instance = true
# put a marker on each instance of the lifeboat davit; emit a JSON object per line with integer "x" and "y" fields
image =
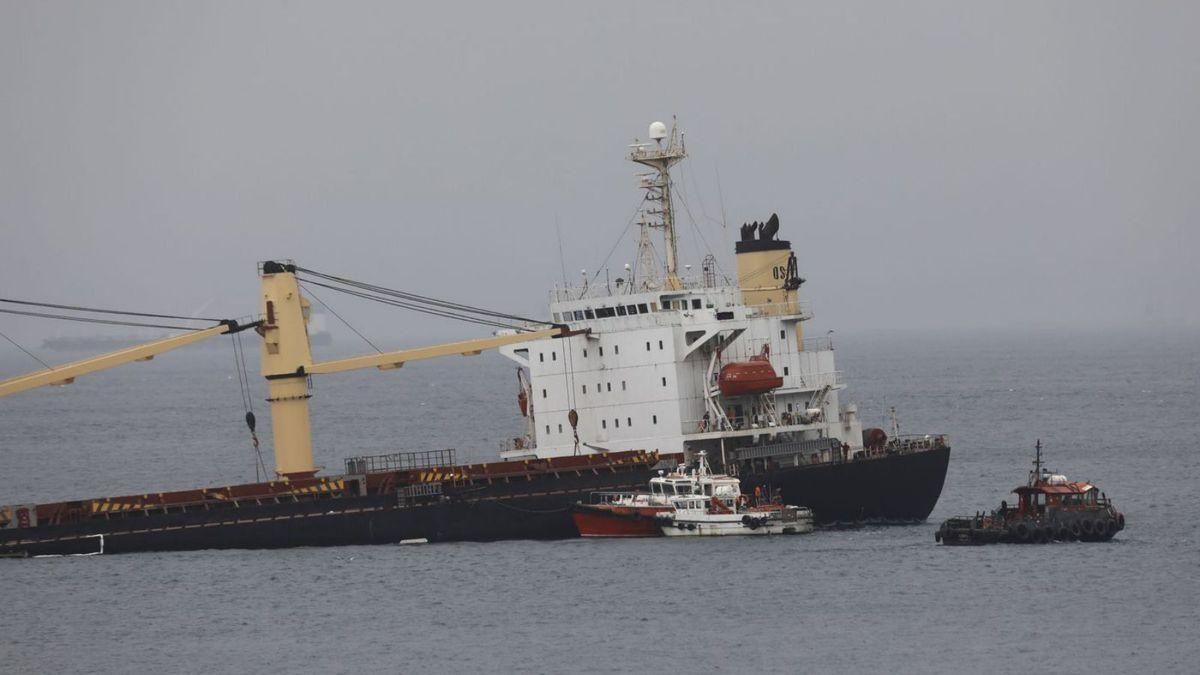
{"x": 749, "y": 378}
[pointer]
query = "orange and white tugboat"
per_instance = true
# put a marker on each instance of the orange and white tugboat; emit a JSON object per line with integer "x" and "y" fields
{"x": 1049, "y": 508}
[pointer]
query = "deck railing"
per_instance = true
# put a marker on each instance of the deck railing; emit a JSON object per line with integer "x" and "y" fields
{"x": 402, "y": 461}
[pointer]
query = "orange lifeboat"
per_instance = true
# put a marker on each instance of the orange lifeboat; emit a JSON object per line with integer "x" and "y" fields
{"x": 748, "y": 378}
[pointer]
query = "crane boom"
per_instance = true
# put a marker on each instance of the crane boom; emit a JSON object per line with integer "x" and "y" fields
{"x": 67, "y": 373}
{"x": 396, "y": 359}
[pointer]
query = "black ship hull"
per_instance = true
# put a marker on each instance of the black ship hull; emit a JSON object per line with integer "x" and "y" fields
{"x": 892, "y": 489}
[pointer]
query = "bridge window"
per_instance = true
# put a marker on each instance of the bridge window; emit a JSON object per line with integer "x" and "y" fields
{"x": 783, "y": 335}
{"x": 547, "y": 428}
{"x": 617, "y": 422}
{"x": 654, "y": 419}
{"x": 616, "y": 349}
{"x": 620, "y": 310}
{"x": 660, "y": 344}
{"x": 585, "y": 353}
{"x": 553, "y": 356}
{"x": 628, "y": 421}
{"x": 608, "y": 386}
{"x": 560, "y": 428}
{"x": 642, "y": 308}
{"x": 585, "y": 388}
{"x": 664, "y": 381}
{"x": 603, "y": 424}
{"x": 543, "y": 393}
{"x": 602, "y": 351}
{"x": 632, "y": 309}
{"x": 785, "y": 370}
{"x": 696, "y": 303}
{"x": 647, "y": 345}
{"x": 589, "y": 313}
{"x": 622, "y": 385}
{"x": 541, "y": 357}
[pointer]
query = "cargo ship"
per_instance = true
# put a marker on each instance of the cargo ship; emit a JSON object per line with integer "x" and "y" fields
{"x": 624, "y": 379}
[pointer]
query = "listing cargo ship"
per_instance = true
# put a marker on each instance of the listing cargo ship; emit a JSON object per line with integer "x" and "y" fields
{"x": 625, "y": 378}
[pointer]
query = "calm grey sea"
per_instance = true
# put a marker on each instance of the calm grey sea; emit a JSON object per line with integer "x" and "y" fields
{"x": 1120, "y": 410}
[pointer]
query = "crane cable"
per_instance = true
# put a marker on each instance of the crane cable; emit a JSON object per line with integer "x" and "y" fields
{"x": 94, "y": 310}
{"x": 239, "y": 359}
{"x": 88, "y": 319}
{"x": 430, "y": 302}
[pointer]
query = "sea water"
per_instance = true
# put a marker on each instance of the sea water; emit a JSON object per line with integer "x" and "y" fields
{"x": 1119, "y": 410}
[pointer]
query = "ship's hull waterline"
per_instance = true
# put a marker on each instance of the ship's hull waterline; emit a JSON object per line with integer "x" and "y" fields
{"x": 893, "y": 489}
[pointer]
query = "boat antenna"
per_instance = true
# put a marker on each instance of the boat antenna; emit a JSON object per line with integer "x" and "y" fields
{"x": 1037, "y": 460}
{"x": 562, "y": 265}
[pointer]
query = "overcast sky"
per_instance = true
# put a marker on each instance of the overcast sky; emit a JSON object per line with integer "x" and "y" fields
{"x": 934, "y": 164}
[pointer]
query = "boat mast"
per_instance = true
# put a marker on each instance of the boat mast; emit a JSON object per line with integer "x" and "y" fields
{"x": 661, "y": 157}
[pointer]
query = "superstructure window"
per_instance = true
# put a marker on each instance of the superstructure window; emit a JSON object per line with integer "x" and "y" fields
{"x": 578, "y": 315}
{"x": 696, "y": 303}
{"x": 660, "y": 344}
{"x": 616, "y": 349}
{"x": 622, "y": 385}
{"x": 543, "y": 393}
{"x": 632, "y": 309}
{"x": 602, "y": 351}
{"x": 547, "y": 428}
{"x": 560, "y": 428}
{"x": 541, "y": 357}
{"x": 664, "y": 381}
{"x": 617, "y": 422}
{"x": 654, "y": 419}
{"x": 553, "y": 356}
{"x": 585, "y": 388}
{"x": 608, "y": 386}
{"x": 666, "y": 304}
{"x": 647, "y": 345}
{"x": 585, "y": 353}
{"x": 620, "y": 310}
{"x": 628, "y": 421}
{"x": 603, "y": 424}
{"x": 589, "y": 313}
{"x": 783, "y": 334}
{"x": 642, "y": 308}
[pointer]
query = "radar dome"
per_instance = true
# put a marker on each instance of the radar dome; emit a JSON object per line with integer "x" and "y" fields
{"x": 658, "y": 131}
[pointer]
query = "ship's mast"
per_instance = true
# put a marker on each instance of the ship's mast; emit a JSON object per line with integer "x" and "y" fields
{"x": 660, "y": 157}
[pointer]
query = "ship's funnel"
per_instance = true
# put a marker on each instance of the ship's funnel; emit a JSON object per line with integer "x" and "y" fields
{"x": 766, "y": 270}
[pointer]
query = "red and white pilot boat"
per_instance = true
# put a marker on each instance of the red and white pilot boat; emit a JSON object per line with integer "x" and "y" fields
{"x": 631, "y": 514}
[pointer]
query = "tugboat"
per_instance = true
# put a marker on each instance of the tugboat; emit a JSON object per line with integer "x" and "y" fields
{"x": 1049, "y": 508}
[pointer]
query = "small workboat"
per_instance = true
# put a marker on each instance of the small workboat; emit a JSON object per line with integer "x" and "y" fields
{"x": 632, "y": 514}
{"x": 1049, "y": 508}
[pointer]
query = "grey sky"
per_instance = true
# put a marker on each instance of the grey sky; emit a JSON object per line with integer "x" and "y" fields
{"x": 934, "y": 164}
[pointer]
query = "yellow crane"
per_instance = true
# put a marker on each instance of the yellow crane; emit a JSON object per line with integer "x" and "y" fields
{"x": 287, "y": 362}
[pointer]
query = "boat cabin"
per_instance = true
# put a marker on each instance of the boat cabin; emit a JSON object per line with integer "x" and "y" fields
{"x": 1044, "y": 495}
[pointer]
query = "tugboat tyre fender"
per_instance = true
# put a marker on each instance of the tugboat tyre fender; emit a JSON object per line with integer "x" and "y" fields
{"x": 1086, "y": 527}
{"x": 1022, "y": 531}
{"x": 1076, "y": 531}
{"x": 1121, "y": 521}
{"x": 1063, "y": 533}
{"x": 1111, "y": 526}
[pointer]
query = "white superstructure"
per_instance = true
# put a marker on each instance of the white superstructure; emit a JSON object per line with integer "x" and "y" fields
{"x": 644, "y": 373}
